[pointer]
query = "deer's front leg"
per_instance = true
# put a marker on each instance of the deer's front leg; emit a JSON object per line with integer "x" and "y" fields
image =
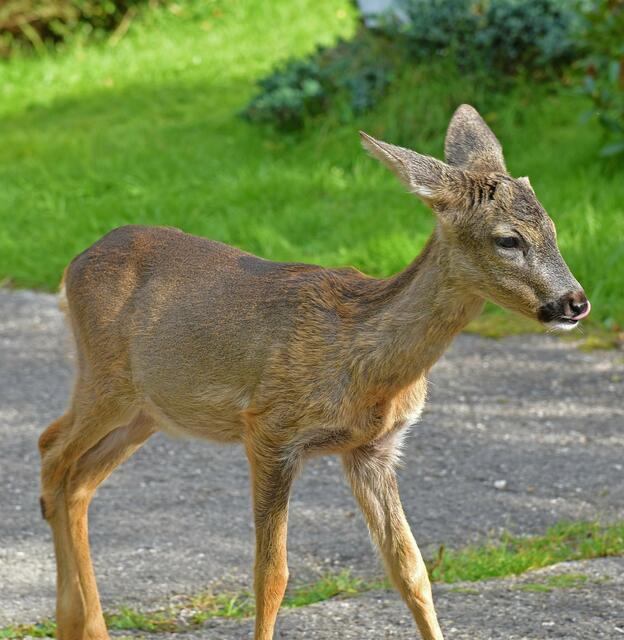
{"x": 271, "y": 479}
{"x": 370, "y": 471}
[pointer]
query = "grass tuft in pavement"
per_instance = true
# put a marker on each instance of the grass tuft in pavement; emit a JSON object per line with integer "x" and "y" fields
{"x": 514, "y": 555}
{"x": 565, "y": 581}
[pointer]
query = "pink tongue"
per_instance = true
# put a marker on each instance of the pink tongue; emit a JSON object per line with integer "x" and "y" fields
{"x": 585, "y": 313}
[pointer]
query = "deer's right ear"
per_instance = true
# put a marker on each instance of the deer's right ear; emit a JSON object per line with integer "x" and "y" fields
{"x": 471, "y": 144}
{"x": 432, "y": 181}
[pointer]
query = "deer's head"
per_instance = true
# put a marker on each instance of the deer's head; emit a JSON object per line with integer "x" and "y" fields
{"x": 499, "y": 241}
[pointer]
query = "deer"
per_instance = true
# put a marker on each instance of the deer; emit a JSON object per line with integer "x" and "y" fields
{"x": 189, "y": 336}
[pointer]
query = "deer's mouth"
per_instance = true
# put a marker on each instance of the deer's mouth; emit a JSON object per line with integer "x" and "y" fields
{"x": 553, "y": 315}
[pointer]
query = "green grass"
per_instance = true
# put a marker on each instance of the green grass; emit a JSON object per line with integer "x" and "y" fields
{"x": 342, "y": 584}
{"x": 512, "y": 555}
{"x": 563, "y": 581}
{"x": 43, "y": 629}
{"x": 147, "y": 132}
{"x": 130, "y": 619}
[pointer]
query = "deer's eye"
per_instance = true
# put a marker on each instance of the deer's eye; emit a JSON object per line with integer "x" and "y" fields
{"x": 508, "y": 242}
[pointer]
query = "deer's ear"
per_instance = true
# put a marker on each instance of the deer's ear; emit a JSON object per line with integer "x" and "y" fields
{"x": 471, "y": 145}
{"x": 431, "y": 180}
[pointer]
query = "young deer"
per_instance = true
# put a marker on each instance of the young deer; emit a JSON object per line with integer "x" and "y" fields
{"x": 189, "y": 336}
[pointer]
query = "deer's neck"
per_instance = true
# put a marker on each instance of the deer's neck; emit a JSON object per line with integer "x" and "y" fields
{"x": 412, "y": 319}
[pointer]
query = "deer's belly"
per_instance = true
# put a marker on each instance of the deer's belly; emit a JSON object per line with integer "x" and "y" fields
{"x": 215, "y": 413}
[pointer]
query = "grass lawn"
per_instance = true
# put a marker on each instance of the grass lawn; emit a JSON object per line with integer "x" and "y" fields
{"x": 147, "y": 132}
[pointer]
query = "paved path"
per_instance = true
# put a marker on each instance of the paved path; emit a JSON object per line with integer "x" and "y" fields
{"x": 531, "y": 415}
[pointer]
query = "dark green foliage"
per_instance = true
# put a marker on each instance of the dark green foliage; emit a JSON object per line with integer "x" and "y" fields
{"x": 534, "y": 35}
{"x": 604, "y": 70}
{"x": 349, "y": 77}
{"x": 496, "y": 35}
{"x": 289, "y": 95}
{"x": 489, "y": 39}
{"x": 35, "y": 23}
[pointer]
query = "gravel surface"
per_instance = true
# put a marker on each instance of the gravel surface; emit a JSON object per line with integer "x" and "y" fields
{"x": 517, "y": 434}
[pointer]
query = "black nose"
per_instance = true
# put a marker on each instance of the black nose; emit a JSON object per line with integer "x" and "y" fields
{"x": 576, "y": 305}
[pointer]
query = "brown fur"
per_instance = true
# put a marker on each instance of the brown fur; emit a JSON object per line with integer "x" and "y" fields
{"x": 189, "y": 336}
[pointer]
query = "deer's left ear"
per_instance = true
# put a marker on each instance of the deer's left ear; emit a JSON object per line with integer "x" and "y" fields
{"x": 432, "y": 181}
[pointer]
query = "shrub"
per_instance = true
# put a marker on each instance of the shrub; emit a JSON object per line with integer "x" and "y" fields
{"x": 348, "y": 78}
{"x": 488, "y": 38}
{"x": 34, "y": 23}
{"x": 500, "y": 35}
{"x": 535, "y": 35}
{"x": 289, "y": 95}
{"x": 604, "y": 67}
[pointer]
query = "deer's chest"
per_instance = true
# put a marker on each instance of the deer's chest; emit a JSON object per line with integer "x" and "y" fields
{"x": 391, "y": 413}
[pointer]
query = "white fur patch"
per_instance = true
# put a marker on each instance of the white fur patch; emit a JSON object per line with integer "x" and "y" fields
{"x": 395, "y": 453}
{"x": 422, "y": 191}
{"x": 412, "y": 417}
{"x": 526, "y": 182}
{"x": 556, "y": 325}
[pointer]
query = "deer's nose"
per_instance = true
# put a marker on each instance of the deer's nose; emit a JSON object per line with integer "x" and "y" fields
{"x": 576, "y": 306}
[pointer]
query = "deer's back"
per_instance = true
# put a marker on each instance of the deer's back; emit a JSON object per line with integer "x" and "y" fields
{"x": 186, "y": 323}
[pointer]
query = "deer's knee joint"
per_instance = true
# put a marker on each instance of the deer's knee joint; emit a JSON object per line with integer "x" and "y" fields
{"x": 272, "y": 581}
{"x": 77, "y": 497}
{"x": 279, "y": 583}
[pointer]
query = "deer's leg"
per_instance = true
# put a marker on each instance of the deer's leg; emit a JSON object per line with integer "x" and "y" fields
{"x": 370, "y": 471}
{"x": 271, "y": 479}
{"x": 79, "y": 615}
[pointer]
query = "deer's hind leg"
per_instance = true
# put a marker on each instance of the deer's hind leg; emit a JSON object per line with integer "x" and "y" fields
{"x": 72, "y": 468}
{"x": 272, "y": 475}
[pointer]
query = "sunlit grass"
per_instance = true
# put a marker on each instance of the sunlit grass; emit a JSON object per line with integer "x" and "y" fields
{"x": 147, "y": 132}
{"x": 514, "y": 555}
